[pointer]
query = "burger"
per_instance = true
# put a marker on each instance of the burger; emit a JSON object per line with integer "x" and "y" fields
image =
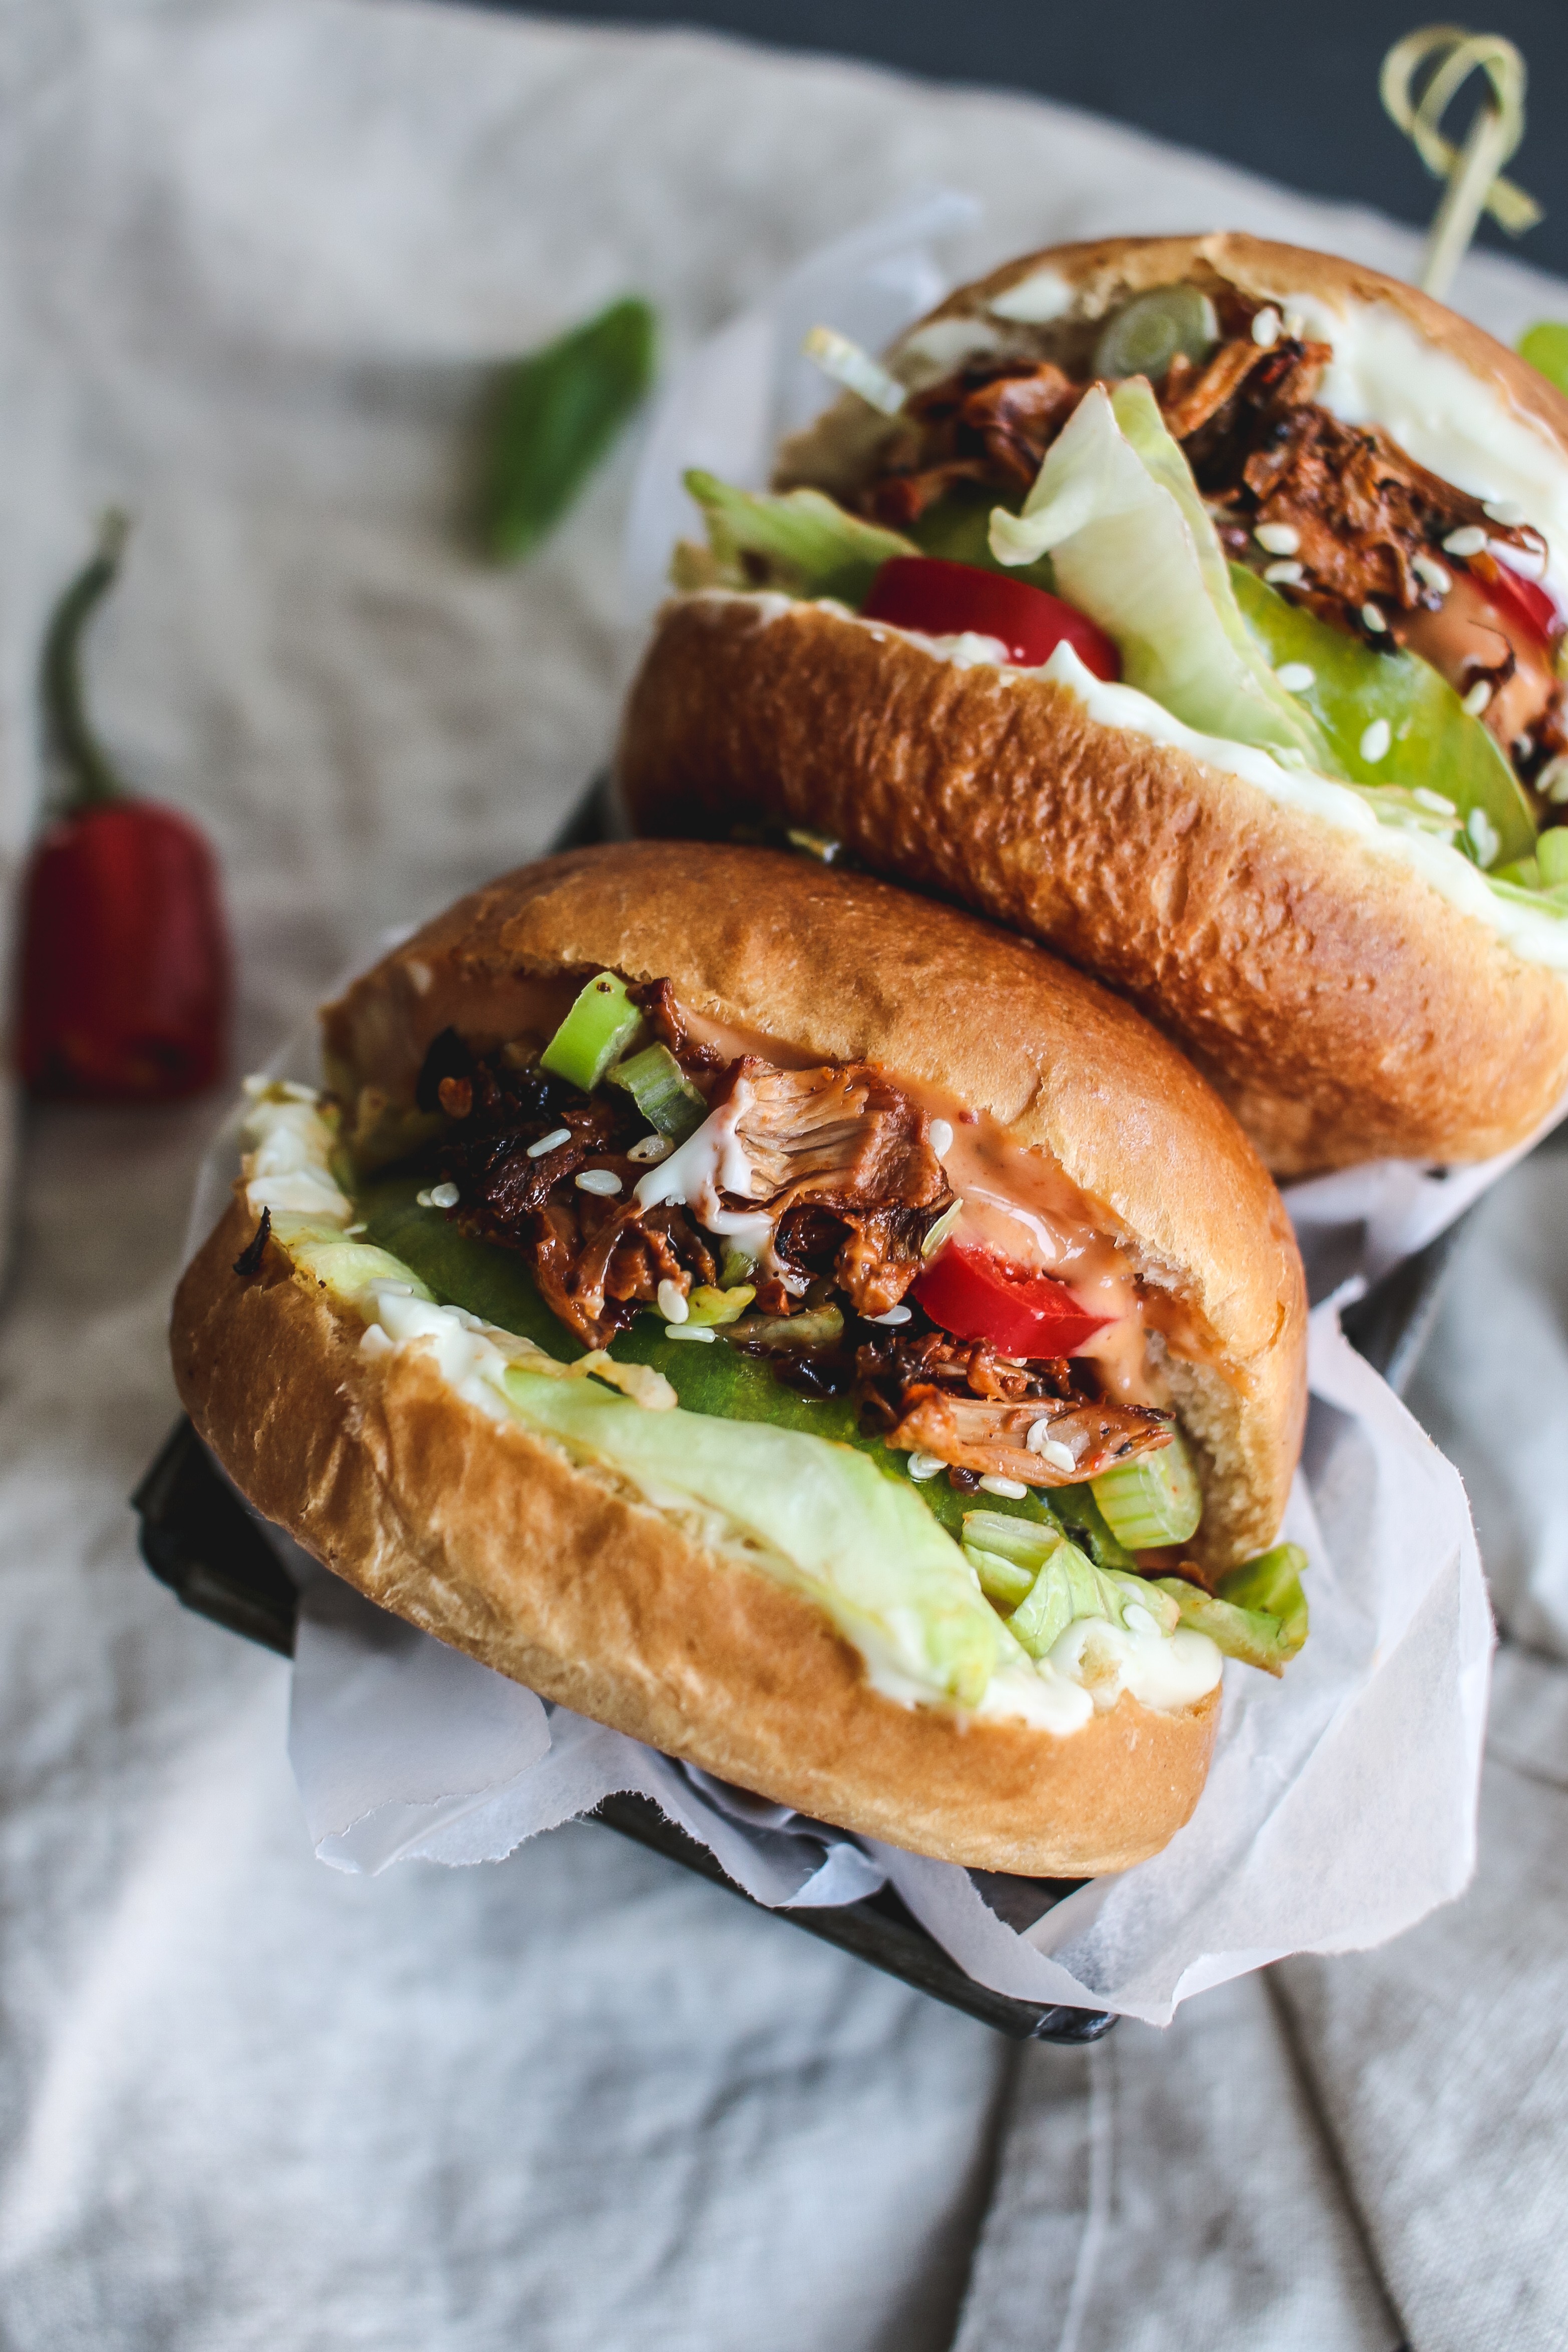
{"x": 1195, "y": 606}
{"x": 794, "y": 1323}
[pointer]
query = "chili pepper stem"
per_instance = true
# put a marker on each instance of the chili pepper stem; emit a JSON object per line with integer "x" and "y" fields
{"x": 91, "y": 777}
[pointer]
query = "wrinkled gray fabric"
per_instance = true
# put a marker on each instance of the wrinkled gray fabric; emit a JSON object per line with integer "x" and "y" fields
{"x": 252, "y": 261}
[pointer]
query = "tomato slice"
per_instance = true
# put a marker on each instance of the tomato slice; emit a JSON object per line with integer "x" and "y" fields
{"x": 943, "y": 598}
{"x": 1516, "y": 600}
{"x": 977, "y": 1295}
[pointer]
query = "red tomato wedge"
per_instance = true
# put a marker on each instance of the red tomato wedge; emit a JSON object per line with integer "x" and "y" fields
{"x": 975, "y": 1296}
{"x": 942, "y": 600}
{"x": 1516, "y": 600}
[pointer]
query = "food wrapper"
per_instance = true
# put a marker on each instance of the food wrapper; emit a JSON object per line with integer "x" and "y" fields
{"x": 1342, "y": 1802}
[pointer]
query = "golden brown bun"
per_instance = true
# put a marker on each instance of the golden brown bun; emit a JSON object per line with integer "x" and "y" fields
{"x": 1342, "y": 1006}
{"x": 1344, "y": 1009}
{"x": 490, "y": 1539}
{"x": 846, "y": 969}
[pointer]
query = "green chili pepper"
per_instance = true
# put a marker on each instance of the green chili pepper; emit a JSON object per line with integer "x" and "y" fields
{"x": 555, "y": 415}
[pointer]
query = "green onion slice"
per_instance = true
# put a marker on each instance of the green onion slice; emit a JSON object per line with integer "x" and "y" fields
{"x": 1153, "y": 1501}
{"x": 601, "y": 1025}
{"x": 662, "y": 1091}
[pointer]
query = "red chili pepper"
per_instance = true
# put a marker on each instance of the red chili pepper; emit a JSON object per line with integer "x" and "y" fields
{"x": 942, "y": 599}
{"x": 125, "y": 955}
{"x": 1516, "y": 599}
{"x": 977, "y": 1295}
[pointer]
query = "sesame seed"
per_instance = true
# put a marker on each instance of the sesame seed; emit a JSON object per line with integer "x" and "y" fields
{"x": 444, "y": 1196}
{"x": 1295, "y": 326}
{"x": 652, "y": 1148}
{"x": 925, "y": 1465}
{"x": 1266, "y": 328}
{"x": 1376, "y": 742}
{"x": 1469, "y": 541}
{"x": 893, "y": 1315}
{"x": 360, "y": 1228}
{"x": 1432, "y": 572}
{"x": 1050, "y": 1449}
{"x": 1296, "y": 677}
{"x": 1285, "y": 575}
{"x": 550, "y": 1142}
{"x": 1012, "y": 1490}
{"x": 703, "y": 1332}
{"x": 1483, "y": 837}
{"x": 1278, "y": 538}
{"x": 671, "y": 1301}
{"x": 1375, "y": 619}
{"x": 420, "y": 974}
{"x": 421, "y": 1200}
{"x": 1506, "y": 511}
{"x": 1553, "y": 780}
{"x": 1434, "y": 800}
{"x": 941, "y": 1137}
{"x": 1479, "y": 695}
{"x": 604, "y": 1181}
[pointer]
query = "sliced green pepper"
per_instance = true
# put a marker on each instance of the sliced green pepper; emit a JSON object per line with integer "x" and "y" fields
{"x": 1433, "y": 742}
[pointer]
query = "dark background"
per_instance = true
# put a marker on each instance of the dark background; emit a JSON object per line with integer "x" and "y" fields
{"x": 1287, "y": 92}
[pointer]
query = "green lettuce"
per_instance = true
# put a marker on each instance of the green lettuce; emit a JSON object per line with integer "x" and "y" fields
{"x": 1045, "y": 1582}
{"x": 862, "y": 1548}
{"x": 1116, "y": 508}
{"x": 807, "y": 543}
{"x": 1259, "y": 1614}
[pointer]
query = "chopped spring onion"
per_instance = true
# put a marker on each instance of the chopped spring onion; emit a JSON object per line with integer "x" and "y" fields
{"x": 601, "y": 1025}
{"x": 818, "y": 1326}
{"x": 855, "y": 368}
{"x": 662, "y": 1091}
{"x": 1152, "y": 1501}
{"x": 706, "y": 1306}
{"x": 1146, "y": 335}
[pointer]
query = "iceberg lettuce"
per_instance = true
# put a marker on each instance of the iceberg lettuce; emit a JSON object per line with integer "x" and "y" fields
{"x": 1117, "y": 510}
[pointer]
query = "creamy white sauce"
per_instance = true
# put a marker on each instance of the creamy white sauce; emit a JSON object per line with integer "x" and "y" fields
{"x": 1453, "y": 423}
{"x": 290, "y": 1142}
{"x": 1036, "y": 301}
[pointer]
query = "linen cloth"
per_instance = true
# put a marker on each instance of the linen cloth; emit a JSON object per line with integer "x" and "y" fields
{"x": 253, "y": 259}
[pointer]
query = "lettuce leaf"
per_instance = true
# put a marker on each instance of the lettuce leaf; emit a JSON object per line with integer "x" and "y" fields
{"x": 1259, "y": 1614}
{"x": 807, "y": 543}
{"x": 1046, "y": 1582}
{"x": 1116, "y": 508}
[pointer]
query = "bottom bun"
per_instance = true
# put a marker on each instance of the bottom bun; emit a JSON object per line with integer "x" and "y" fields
{"x": 491, "y": 1540}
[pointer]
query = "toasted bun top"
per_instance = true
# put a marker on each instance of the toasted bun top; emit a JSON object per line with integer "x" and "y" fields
{"x": 841, "y": 968}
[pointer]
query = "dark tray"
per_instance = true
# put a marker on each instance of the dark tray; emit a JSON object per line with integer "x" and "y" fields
{"x": 199, "y": 1539}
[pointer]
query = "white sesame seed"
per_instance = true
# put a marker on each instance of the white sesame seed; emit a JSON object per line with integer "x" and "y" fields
{"x": 1266, "y": 328}
{"x": 421, "y": 1200}
{"x": 1432, "y": 801}
{"x": 671, "y": 1301}
{"x": 925, "y": 1465}
{"x": 604, "y": 1181}
{"x": 1013, "y": 1490}
{"x": 703, "y": 1332}
{"x": 1278, "y": 538}
{"x": 1479, "y": 695}
{"x": 652, "y": 1148}
{"x": 550, "y": 1142}
{"x": 1376, "y": 742}
{"x": 1553, "y": 780}
{"x": 1375, "y": 619}
{"x": 1050, "y": 1449}
{"x": 1296, "y": 677}
{"x": 360, "y": 1228}
{"x": 1432, "y": 572}
{"x": 444, "y": 1196}
{"x": 1506, "y": 511}
{"x": 941, "y": 1137}
{"x": 420, "y": 974}
{"x": 1469, "y": 541}
{"x": 1295, "y": 326}
{"x": 1483, "y": 837}
{"x": 1285, "y": 575}
{"x": 893, "y": 1315}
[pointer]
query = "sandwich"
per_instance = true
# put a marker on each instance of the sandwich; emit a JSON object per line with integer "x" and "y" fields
{"x": 798, "y": 1325}
{"x": 1196, "y": 607}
